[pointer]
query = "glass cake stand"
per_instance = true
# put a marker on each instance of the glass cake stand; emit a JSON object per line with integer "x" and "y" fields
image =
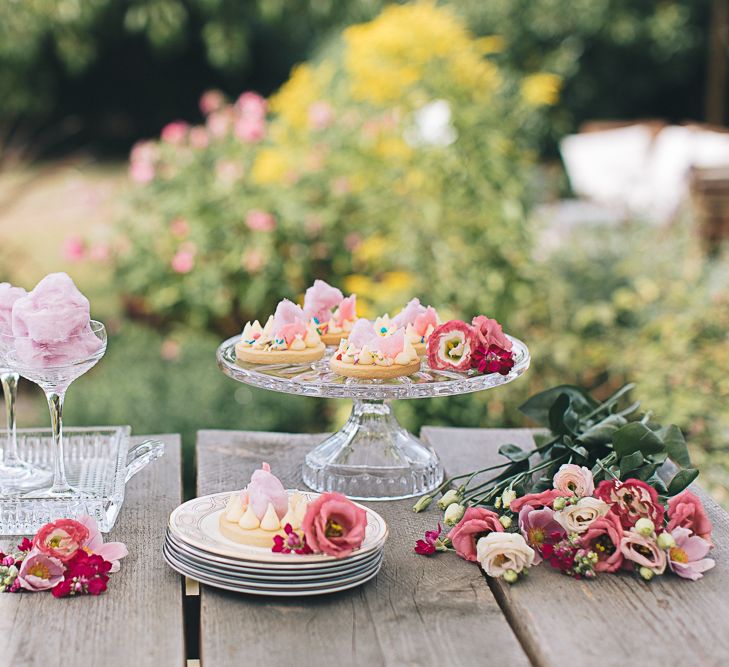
{"x": 372, "y": 457}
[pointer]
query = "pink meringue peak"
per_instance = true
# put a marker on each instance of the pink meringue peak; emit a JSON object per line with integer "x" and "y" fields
{"x": 265, "y": 488}
{"x": 52, "y": 324}
{"x": 320, "y": 299}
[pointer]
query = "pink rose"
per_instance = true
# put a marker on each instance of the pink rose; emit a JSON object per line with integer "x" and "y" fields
{"x": 61, "y": 539}
{"x": 536, "y": 500}
{"x": 643, "y": 551}
{"x": 40, "y": 572}
{"x": 685, "y": 510}
{"x": 334, "y": 525}
{"x": 260, "y": 221}
{"x": 631, "y": 500}
{"x": 489, "y": 332}
{"x": 475, "y": 523}
{"x": 573, "y": 479}
{"x": 604, "y": 536}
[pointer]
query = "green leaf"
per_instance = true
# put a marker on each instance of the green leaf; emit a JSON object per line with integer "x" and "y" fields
{"x": 538, "y": 406}
{"x": 636, "y": 437}
{"x": 513, "y": 453}
{"x": 675, "y": 445}
{"x": 602, "y": 432}
{"x": 630, "y": 462}
{"x": 681, "y": 480}
{"x": 556, "y": 414}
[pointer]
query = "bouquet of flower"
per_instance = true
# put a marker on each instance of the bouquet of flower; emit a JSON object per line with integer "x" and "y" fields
{"x": 592, "y": 503}
{"x": 67, "y": 557}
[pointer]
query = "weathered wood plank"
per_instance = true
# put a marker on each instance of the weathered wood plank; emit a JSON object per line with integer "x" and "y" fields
{"x": 138, "y": 621}
{"x": 417, "y": 611}
{"x": 616, "y": 619}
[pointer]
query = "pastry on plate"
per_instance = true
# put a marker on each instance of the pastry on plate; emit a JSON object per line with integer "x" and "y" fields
{"x": 373, "y": 353}
{"x": 333, "y": 315}
{"x": 255, "y": 515}
{"x": 288, "y": 337}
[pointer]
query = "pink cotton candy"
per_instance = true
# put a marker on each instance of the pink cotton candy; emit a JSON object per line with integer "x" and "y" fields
{"x": 425, "y": 320}
{"x": 8, "y": 296}
{"x": 319, "y": 300}
{"x": 391, "y": 346}
{"x": 52, "y": 324}
{"x": 287, "y": 312}
{"x": 265, "y": 488}
{"x": 363, "y": 333}
{"x": 289, "y": 331}
{"x": 347, "y": 309}
{"x": 408, "y": 314}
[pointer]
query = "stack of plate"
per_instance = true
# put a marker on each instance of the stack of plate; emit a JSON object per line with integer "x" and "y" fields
{"x": 196, "y": 548}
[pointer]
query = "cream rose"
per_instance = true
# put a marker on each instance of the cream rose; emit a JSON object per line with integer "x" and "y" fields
{"x": 578, "y": 517}
{"x": 499, "y": 552}
{"x": 575, "y": 480}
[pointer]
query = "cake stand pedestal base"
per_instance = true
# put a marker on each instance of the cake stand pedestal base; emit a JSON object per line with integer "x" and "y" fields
{"x": 373, "y": 458}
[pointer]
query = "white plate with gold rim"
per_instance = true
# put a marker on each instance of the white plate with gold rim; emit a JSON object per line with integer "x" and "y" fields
{"x": 196, "y": 523}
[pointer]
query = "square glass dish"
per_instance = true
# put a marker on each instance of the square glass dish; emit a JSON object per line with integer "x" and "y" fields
{"x": 99, "y": 461}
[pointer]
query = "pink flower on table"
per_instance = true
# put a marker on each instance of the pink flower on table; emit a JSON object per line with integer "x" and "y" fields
{"x": 250, "y": 130}
{"x": 260, "y": 221}
{"x": 112, "y": 552}
{"x": 686, "y": 511}
{"x": 573, "y": 479}
{"x": 539, "y": 527}
{"x": 25, "y": 545}
{"x": 475, "y": 523}
{"x": 74, "y": 249}
{"x": 61, "y": 539}
{"x": 427, "y": 546}
{"x": 39, "y": 572}
{"x": 292, "y": 542}
{"x": 688, "y": 558}
{"x": 199, "y": 138}
{"x": 489, "y": 332}
{"x": 321, "y": 115}
{"x": 631, "y": 500}
{"x": 536, "y": 500}
{"x": 211, "y": 100}
{"x": 183, "y": 261}
{"x": 141, "y": 172}
{"x": 334, "y": 525}
{"x": 643, "y": 551}
{"x": 179, "y": 228}
{"x": 85, "y": 575}
{"x": 175, "y": 132}
{"x": 604, "y": 537}
{"x": 251, "y": 105}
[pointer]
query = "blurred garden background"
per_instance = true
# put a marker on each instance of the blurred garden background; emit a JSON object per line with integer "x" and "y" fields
{"x": 561, "y": 165}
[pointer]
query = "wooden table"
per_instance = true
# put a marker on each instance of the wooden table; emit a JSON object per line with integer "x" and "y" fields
{"x": 417, "y": 611}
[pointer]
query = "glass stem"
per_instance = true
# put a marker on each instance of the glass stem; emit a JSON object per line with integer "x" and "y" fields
{"x": 10, "y": 390}
{"x": 55, "y": 405}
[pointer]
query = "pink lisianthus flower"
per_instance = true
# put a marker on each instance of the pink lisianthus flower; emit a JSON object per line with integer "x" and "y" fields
{"x": 334, "y": 525}
{"x": 428, "y": 546}
{"x": 536, "y": 500}
{"x": 686, "y": 511}
{"x": 112, "y": 552}
{"x": 260, "y": 221}
{"x": 175, "y": 132}
{"x": 61, "y": 539}
{"x": 539, "y": 527}
{"x": 643, "y": 551}
{"x": 631, "y": 500}
{"x": 576, "y": 480}
{"x": 39, "y": 571}
{"x": 688, "y": 558}
{"x": 450, "y": 346}
{"x": 475, "y": 523}
{"x": 489, "y": 332}
{"x": 603, "y": 537}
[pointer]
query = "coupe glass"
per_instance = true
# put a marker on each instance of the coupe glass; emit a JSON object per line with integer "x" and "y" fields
{"x": 15, "y": 474}
{"x": 54, "y": 381}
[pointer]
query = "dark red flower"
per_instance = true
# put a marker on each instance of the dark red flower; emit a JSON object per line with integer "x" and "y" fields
{"x": 292, "y": 542}
{"x": 426, "y": 547}
{"x": 492, "y": 359}
{"x": 25, "y": 545}
{"x": 85, "y": 575}
{"x": 631, "y": 500}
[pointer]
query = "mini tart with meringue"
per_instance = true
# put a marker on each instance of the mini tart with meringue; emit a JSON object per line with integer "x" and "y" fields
{"x": 260, "y": 345}
{"x": 419, "y": 322}
{"x": 339, "y": 324}
{"x": 371, "y": 363}
{"x": 239, "y": 523}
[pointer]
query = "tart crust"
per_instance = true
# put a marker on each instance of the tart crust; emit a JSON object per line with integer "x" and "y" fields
{"x": 333, "y": 338}
{"x": 252, "y": 356}
{"x": 373, "y": 371}
{"x": 253, "y": 537}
